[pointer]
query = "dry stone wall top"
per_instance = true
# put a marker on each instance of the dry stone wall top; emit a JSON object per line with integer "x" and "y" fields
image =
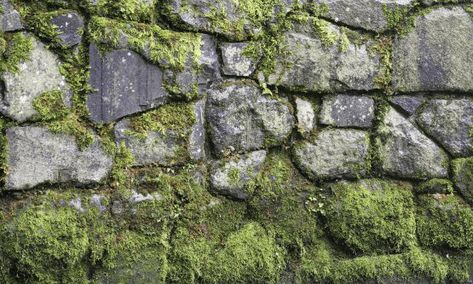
{"x": 224, "y": 141}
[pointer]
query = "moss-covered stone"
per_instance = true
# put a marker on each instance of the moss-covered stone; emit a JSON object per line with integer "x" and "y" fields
{"x": 372, "y": 216}
{"x": 17, "y": 50}
{"x": 435, "y": 185}
{"x": 463, "y": 177}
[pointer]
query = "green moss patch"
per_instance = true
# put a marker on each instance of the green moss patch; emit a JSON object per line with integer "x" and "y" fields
{"x": 463, "y": 177}
{"x": 17, "y": 50}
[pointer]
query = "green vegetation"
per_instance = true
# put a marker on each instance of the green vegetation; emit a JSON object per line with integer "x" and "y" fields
{"x": 128, "y": 10}
{"x": 463, "y": 177}
{"x": 436, "y": 185}
{"x": 17, "y": 50}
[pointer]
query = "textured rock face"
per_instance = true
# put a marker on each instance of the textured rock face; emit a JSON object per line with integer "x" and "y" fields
{"x": 437, "y": 54}
{"x": 365, "y": 14}
{"x": 306, "y": 118}
{"x": 334, "y": 153}
{"x": 9, "y": 17}
{"x": 57, "y": 159}
{"x": 39, "y": 74}
{"x": 450, "y": 122}
{"x": 347, "y": 111}
{"x": 70, "y": 27}
{"x": 463, "y": 177}
{"x": 125, "y": 84}
{"x": 242, "y": 119}
{"x": 407, "y": 153}
{"x": 235, "y": 63}
{"x": 230, "y": 177}
{"x": 315, "y": 66}
{"x": 408, "y": 104}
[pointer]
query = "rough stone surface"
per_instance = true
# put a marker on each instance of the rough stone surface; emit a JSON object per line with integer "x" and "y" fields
{"x": 241, "y": 119}
{"x": 463, "y": 177}
{"x": 125, "y": 84}
{"x": 9, "y": 18}
{"x": 305, "y": 114}
{"x": 37, "y": 75}
{"x": 408, "y": 104}
{"x": 235, "y": 63}
{"x": 334, "y": 153}
{"x": 437, "y": 55}
{"x": 312, "y": 66}
{"x": 406, "y": 152}
{"x": 70, "y": 27}
{"x": 450, "y": 122}
{"x": 230, "y": 177}
{"x": 365, "y": 14}
{"x": 165, "y": 149}
{"x": 347, "y": 111}
{"x": 37, "y": 156}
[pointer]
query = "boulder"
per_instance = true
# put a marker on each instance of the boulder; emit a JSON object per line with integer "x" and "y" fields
{"x": 235, "y": 63}
{"x": 347, "y": 111}
{"x": 9, "y": 17}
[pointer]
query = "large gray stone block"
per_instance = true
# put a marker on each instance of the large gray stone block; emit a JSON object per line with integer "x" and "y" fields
{"x": 9, "y": 18}
{"x": 347, "y": 111}
{"x": 37, "y": 156}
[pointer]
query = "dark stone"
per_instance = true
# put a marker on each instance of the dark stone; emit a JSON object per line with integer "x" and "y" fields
{"x": 408, "y": 104}
{"x": 9, "y": 18}
{"x": 125, "y": 84}
{"x": 70, "y": 26}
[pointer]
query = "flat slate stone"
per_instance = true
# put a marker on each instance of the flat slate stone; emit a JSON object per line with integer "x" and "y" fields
{"x": 125, "y": 84}
{"x": 334, "y": 153}
{"x": 407, "y": 153}
{"x": 10, "y": 18}
{"x": 70, "y": 26}
{"x": 347, "y": 111}
{"x": 235, "y": 63}
{"x": 450, "y": 122}
{"x": 310, "y": 65}
{"x": 437, "y": 54}
{"x": 408, "y": 104}
{"x": 305, "y": 114}
{"x": 365, "y": 14}
{"x": 241, "y": 119}
{"x": 39, "y": 74}
{"x": 37, "y": 156}
{"x": 230, "y": 177}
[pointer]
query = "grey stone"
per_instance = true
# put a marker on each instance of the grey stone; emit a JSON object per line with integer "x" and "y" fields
{"x": 463, "y": 177}
{"x": 230, "y": 177}
{"x": 241, "y": 119}
{"x": 168, "y": 148}
{"x": 9, "y": 18}
{"x": 408, "y": 104}
{"x": 39, "y": 74}
{"x": 347, "y": 111}
{"x": 365, "y": 14}
{"x": 406, "y": 152}
{"x": 437, "y": 54}
{"x": 312, "y": 66}
{"x": 125, "y": 84}
{"x": 37, "y": 156}
{"x": 450, "y": 123}
{"x": 334, "y": 153}
{"x": 305, "y": 113}
{"x": 70, "y": 26}
{"x": 235, "y": 63}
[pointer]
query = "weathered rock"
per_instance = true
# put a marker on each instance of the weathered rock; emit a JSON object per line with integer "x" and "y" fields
{"x": 165, "y": 149}
{"x": 37, "y": 75}
{"x": 406, "y": 152}
{"x": 313, "y": 65}
{"x": 70, "y": 26}
{"x": 9, "y": 18}
{"x": 365, "y": 14}
{"x": 305, "y": 113}
{"x": 334, "y": 153}
{"x": 436, "y": 55}
{"x": 463, "y": 177}
{"x": 230, "y": 177}
{"x": 408, "y": 104}
{"x": 241, "y": 119}
{"x": 450, "y": 123}
{"x": 125, "y": 84}
{"x": 37, "y": 156}
{"x": 347, "y": 111}
{"x": 235, "y": 63}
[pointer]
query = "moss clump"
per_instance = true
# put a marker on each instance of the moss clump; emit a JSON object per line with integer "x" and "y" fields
{"x": 18, "y": 49}
{"x": 372, "y": 216}
{"x": 444, "y": 221}
{"x": 127, "y": 10}
{"x": 42, "y": 25}
{"x": 383, "y": 48}
{"x": 169, "y": 49}
{"x": 435, "y": 185}
{"x": 60, "y": 119}
{"x": 463, "y": 177}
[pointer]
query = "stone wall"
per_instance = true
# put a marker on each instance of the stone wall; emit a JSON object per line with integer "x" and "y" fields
{"x": 236, "y": 141}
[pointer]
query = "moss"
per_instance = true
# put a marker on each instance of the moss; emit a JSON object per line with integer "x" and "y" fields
{"x": 18, "y": 49}
{"x": 122, "y": 161}
{"x": 43, "y": 27}
{"x": 463, "y": 177}
{"x": 128, "y": 10}
{"x": 169, "y": 49}
{"x": 383, "y": 48}
{"x": 371, "y": 216}
{"x": 436, "y": 185}
{"x": 444, "y": 221}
